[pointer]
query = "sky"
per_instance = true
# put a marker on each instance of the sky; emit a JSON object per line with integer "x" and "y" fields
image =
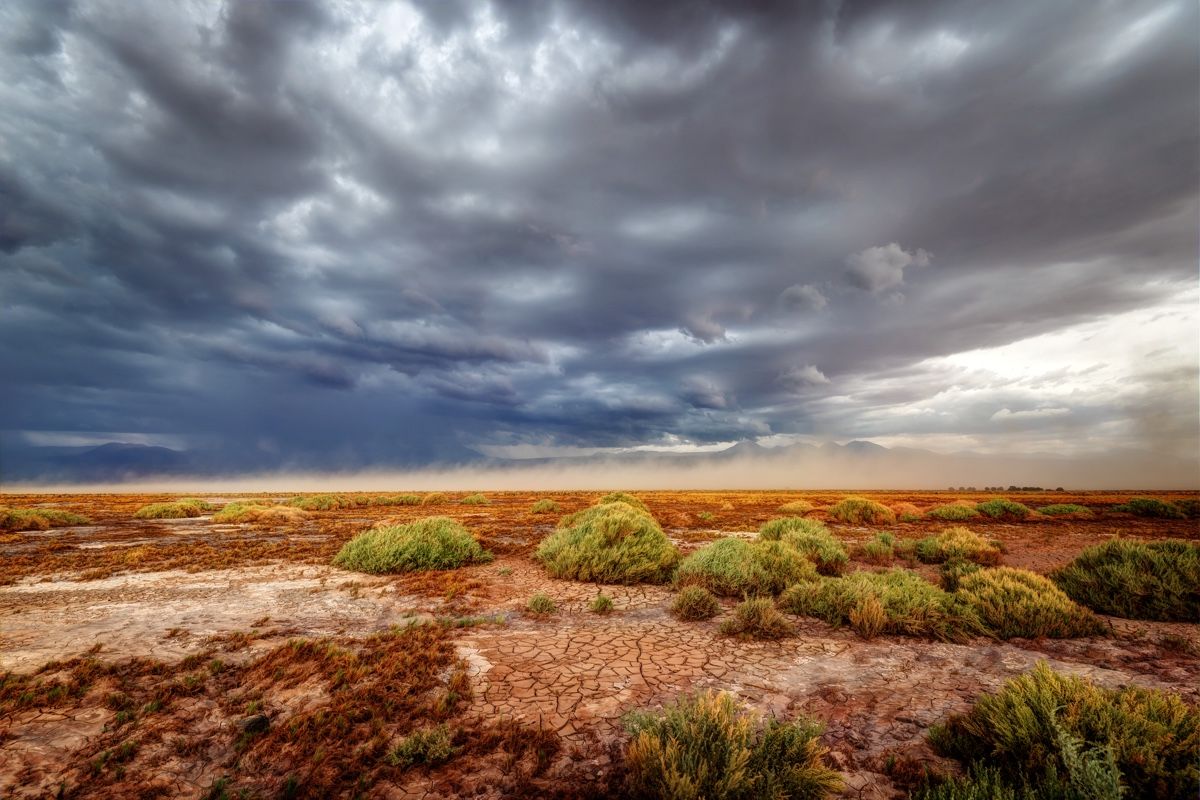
{"x": 333, "y": 235}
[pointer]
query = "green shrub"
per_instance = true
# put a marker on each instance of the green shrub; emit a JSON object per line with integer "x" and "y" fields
{"x": 706, "y": 747}
{"x": 1065, "y": 509}
{"x": 1190, "y": 507}
{"x": 396, "y": 500}
{"x": 428, "y": 747}
{"x": 811, "y": 538}
{"x": 734, "y": 567}
{"x": 319, "y": 502}
{"x": 953, "y": 570}
{"x": 861, "y": 511}
{"x": 545, "y": 507}
{"x": 881, "y": 549}
{"x": 1053, "y": 733}
{"x": 475, "y": 500}
{"x": 757, "y": 619}
{"x": 706, "y": 516}
{"x": 602, "y": 604}
{"x": 694, "y": 603}
{"x": 912, "y": 605}
{"x": 179, "y": 509}
{"x": 1016, "y": 602}
{"x": 38, "y": 519}
{"x": 798, "y": 507}
{"x": 622, "y": 497}
{"x": 953, "y": 512}
{"x": 980, "y": 783}
{"x": 255, "y": 512}
{"x": 541, "y": 605}
{"x": 430, "y": 543}
{"x": 433, "y": 499}
{"x": 611, "y": 543}
{"x": 1136, "y": 580}
{"x": 960, "y": 543}
{"x": 1002, "y": 508}
{"x": 1151, "y": 507}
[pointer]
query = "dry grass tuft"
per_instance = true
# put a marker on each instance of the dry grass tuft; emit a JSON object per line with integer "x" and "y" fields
{"x": 695, "y": 603}
{"x": 757, "y": 619}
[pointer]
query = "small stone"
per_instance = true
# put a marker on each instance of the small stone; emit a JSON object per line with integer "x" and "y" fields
{"x": 255, "y": 724}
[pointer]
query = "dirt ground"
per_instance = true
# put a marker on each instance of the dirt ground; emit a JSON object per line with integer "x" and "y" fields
{"x": 214, "y": 613}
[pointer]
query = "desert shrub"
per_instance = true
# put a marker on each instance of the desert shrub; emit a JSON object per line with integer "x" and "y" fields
{"x": 1017, "y": 602}
{"x": 1136, "y": 580}
{"x": 957, "y": 543}
{"x": 428, "y": 747}
{"x": 1002, "y": 508}
{"x": 734, "y": 567}
{"x": 811, "y": 538}
{"x": 706, "y": 747}
{"x": 706, "y": 516}
{"x": 912, "y": 605}
{"x": 38, "y": 519}
{"x": 433, "y": 499}
{"x": 545, "y": 506}
{"x": 541, "y": 605}
{"x": 179, "y": 509}
{"x": 880, "y": 549}
{"x": 980, "y": 783}
{"x": 1065, "y": 510}
{"x": 623, "y": 497}
{"x": 430, "y": 543}
{"x": 868, "y": 618}
{"x": 475, "y": 500}
{"x": 953, "y": 570}
{"x": 1190, "y": 507}
{"x": 319, "y": 502}
{"x": 1041, "y": 730}
{"x": 259, "y": 513}
{"x": 395, "y": 500}
{"x": 903, "y": 510}
{"x": 797, "y": 507}
{"x": 694, "y": 603}
{"x": 757, "y": 618}
{"x": 1151, "y": 507}
{"x": 602, "y": 604}
{"x": 952, "y": 512}
{"x": 610, "y": 543}
{"x": 861, "y": 511}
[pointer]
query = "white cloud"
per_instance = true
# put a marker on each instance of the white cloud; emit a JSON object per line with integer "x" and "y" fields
{"x": 1006, "y": 414}
{"x": 800, "y": 377}
{"x": 803, "y": 296}
{"x": 878, "y": 269}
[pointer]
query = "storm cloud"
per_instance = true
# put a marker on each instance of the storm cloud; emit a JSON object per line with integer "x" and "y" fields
{"x": 343, "y": 235}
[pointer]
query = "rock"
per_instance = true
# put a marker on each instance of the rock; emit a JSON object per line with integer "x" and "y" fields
{"x": 255, "y": 724}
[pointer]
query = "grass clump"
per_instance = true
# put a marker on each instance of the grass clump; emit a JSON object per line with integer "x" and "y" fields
{"x": 38, "y": 519}
{"x": 881, "y": 549}
{"x": 475, "y": 500}
{"x": 1190, "y": 507}
{"x": 707, "y": 747}
{"x": 735, "y": 567}
{"x": 953, "y": 570}
{"x": 430, "y": 543}
{"x": 602, "y": 604}
{"x": 695, "y": 603}
{"x": 811, "y": 538}
{"x": 259, "y": 513}
{"x": 1065, "y": 510}
{"x": 545, "y": 506}
{"x": 797, "y": 507}
{"x": 952, "y": 512}
{"x": 1050, "y": 736}
{"x": 861, "y": 511}
{"x": 319, "y": 502}
{"x": 541, "y": 605}
{"x": 179, "y": 509}
{"x": 1151, "y": 507}
{"x": 428, "y": 747}
{"x": 961, "y": 543}
{"x": 1016, "y": 602}
{"x": 911, "y": 605}
{"x": 396, "y": 500}
{"x": 1136, "y": 580}
{"x": 1003, "y": 508}
{"x": 610, "y": 543}
{"x": 433, "y": 499}
{"x": 757, "y": 618}
{"x": 623, "y": 497}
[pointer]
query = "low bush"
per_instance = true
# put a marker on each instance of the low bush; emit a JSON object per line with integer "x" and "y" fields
{"x": 1190, "y": 507}
{"x": 260, "y": 513}
{"x": 1151, "y": 507}
{"x": 179, "y": 509}
{"x": 734, "y": 568}
{"x": 912, "y": 605}
{"x": 707, "y": 747}
{"x": 319, "y": 502}
{"x": 395, "y": 500}
{"x": 541, "y": 605}
{"x": 861, "y": 511}
{"x": 611, "y": 543}
{"x": 953, "y": 570}
{"x": 1002, "y": 508}
{"x": 1016, "y": 602}
{"x": 602, "y": 604}
{"x": 952, "y": 512}
{"x": 38, "y": 519}
{"x": 433, "y": 499}
{"x": 1136, "y": 580}
{"x": 757, "y": 619}
{"x": 798, "y": 507}
{"x": 962, "y": 543}
{"x": 1056, "y": 736}
{"x": 811, "y": 538}
{"x": 906, "y": 512}
{"x": 881, "y": 549}
{"x": 428, "y": 747}
{"x": 622, "y": 497}
{"x": 1065, "y": 510}
{"x": 430, "y": 543}
{"x": 545, "y": 507}
{"x": 694, "y": 603}
{"x": 475, "y": 500}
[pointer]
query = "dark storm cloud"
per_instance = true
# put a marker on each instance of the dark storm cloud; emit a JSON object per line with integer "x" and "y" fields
{"x": 419, "y": 228}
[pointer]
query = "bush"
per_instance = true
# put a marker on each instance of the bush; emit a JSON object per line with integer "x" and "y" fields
{"x": 179, "y": 509}
{"x": 980, "y": 783}
{"x": 1151, "y": 507}
{"x": 811, "y": 538}
{"x": 694, "y": 603}
{"x": 953, "y": 512}
{"x": 881, "y": 549}
{"x": 319, "y": 502}
{"x": 1136, "y": 580}
{"x": 433, "y": 499}
{"x": 430, "y": 543}
{"x": 798, "y": 507}
{"x": 706, "y": 747}
{"x": 622, "y": 497}
{"x": 912, "y": 606}
{"x": 1065, "y": 510}
{"x": 1001, "y": 508}
{"x": 475, "y": 500}
{"x": 757, "y": 619}
{"x": 611, "y": 543}
{"x": 734, "y": 568}
{"x": 1041, "y": 730}
{"x": 953, "y": 570}
{"x": 429, "y": 747}
{"x": 545, "y": 507}
{"x": 1190, "y": 507}
{"x": 861, "y": 511}
{"x": 868, "y": 618}
{"x": 38, "y": 519}
{"x": 1016, "y": 602}
{"x": 541, "y": 605}
{"x": 962, "y": 543}
{"x": 263, "y": 514}
{"x": 602, "y": 605}
{"x": 396, "y": 500}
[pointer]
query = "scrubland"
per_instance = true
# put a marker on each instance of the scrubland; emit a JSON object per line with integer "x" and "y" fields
{"x": 573, "y": 644}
